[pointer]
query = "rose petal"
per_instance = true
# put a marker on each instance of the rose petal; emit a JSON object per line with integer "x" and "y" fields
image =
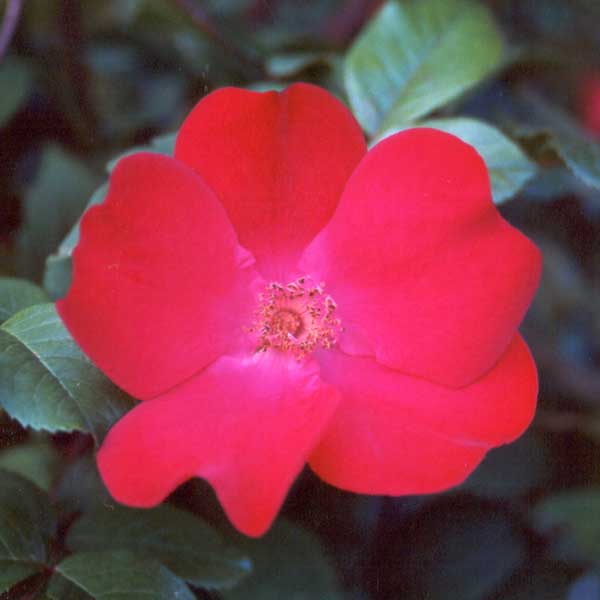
{"x": 395, "y": 434}
{"x": 277, "y": 161}
{"x": 426, "y": 274}
{"x": 245, "y": 425}
{"x": 160, "y": 284}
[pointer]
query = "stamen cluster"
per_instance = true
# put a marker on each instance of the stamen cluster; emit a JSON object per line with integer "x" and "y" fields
{"x": 296, "y": 317}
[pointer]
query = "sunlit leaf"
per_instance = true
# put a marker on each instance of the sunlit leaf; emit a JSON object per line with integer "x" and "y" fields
{"x": 417, "y": 55}
{"x": 46, "y": 382}
{"x": 507, "y": 165}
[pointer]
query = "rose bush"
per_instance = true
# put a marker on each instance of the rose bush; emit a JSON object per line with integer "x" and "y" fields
{"x": 276, "y": 295}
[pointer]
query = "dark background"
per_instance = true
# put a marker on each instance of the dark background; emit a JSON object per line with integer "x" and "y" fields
{"x": 101, "y": 76}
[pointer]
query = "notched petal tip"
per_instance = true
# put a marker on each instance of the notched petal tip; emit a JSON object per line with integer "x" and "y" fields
{"x": 245, "y": 425}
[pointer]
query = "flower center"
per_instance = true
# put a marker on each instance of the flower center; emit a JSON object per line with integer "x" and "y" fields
{"x": 296, "y": 317}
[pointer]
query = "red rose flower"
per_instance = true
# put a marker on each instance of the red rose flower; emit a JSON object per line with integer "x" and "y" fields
{"x": 589, "y": 101}
{"x": 276, "y": 295}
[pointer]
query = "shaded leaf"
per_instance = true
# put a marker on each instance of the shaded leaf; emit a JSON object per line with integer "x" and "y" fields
{"x": 182, "y": 542}
{"x": 112, "y": 163}
{"x": 27, "y": 520}
{"x": 417, "y": 55}
{"x": 449, "y": 553}
{"x": 60, "y": 588}
{"x": 293, "y": 63}
{"x": 165, "y": 144}
{"x": 580, "y": 154}
{"x": 80, "y": 488}
{"x": 15, "y": 85}
{"x": 52, "y": 204}
{"x": 289, "y": 562}
{"x": 17, "y": 294}
{"x": 57, "y": 276}
{"x": 13, "y": 572}
{"x": 578, "y": 151}
{"x": 587, "y": 587}
{"x": 507, "y": 165}
{"x": 572, "y": 519}
{"x": 36, "y": 461}
{"x": 119, "y": 575}
{"x": 512, "y": 470}
{"x": 46, "y": 382}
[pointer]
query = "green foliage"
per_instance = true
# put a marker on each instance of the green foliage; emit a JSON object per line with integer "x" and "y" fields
{"x": 507, "y": 165}
{"x": 16, "y": 81}
{"x": 416, "y": 56}
{"x": 120, "y": 72}
{"x": 288, "y": 563}
{"x": 46, "y": 382}
{"x": 452, "y": 552}
{"x": 572, "y": 519}
{"x": 118, "y": 575}
{"x": 180, "y": 541}
{"x": 581, "y": 155}
{"x": 52, "y": 204}
{"x": 57, "y": 275}
{"x": 17, "y": 294}
{"x": 37, "y": 461}
{"x": 13, "y": 572}
{"x": 27, "y": 521}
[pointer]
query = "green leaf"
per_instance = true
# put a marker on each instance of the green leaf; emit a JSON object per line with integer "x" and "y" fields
{"x": 452, "y": 553}
{"x": 46, "y": 382}
{"x": 36, "y": 461}
{"x": 581, "y": 155}
{"x": 513, "y": 470}
{"x": 507, "y": 165}
{"x": 52, "y": 204}
{"x": 292, "y": 63}
{"x": 578, "y": 151}
{"x": 417, "y": 55}
{"x": 180, "y": 541}
{"x": 572, "y": 518}
{"x": 80, "y": 488}
{"x": 119, "y": 575}
{"x": 13, "y": 572}
{"x": 27, "y": 520}
{"x": 162, "y": 144}
{"x": 57, "y": 276}
{"x": 15, "y": 85}
{"x": 289, "y": 562}
{"x": 60, "y": 588}
{"x": 17, "y": 294}
{"x": 112, "y": 163}
{"x": 165, "y": 143}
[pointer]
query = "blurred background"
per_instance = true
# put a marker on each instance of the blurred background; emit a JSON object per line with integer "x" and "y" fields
{"x": 83, "y": 81}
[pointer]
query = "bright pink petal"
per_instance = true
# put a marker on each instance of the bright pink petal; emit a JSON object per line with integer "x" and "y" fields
{"x": 394, "y": 434}
{"x": 245, "y": 425}
{"x": 277, "y": 161}
{"x": 160, "y": 284}
{"x": 426, "y": 274}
